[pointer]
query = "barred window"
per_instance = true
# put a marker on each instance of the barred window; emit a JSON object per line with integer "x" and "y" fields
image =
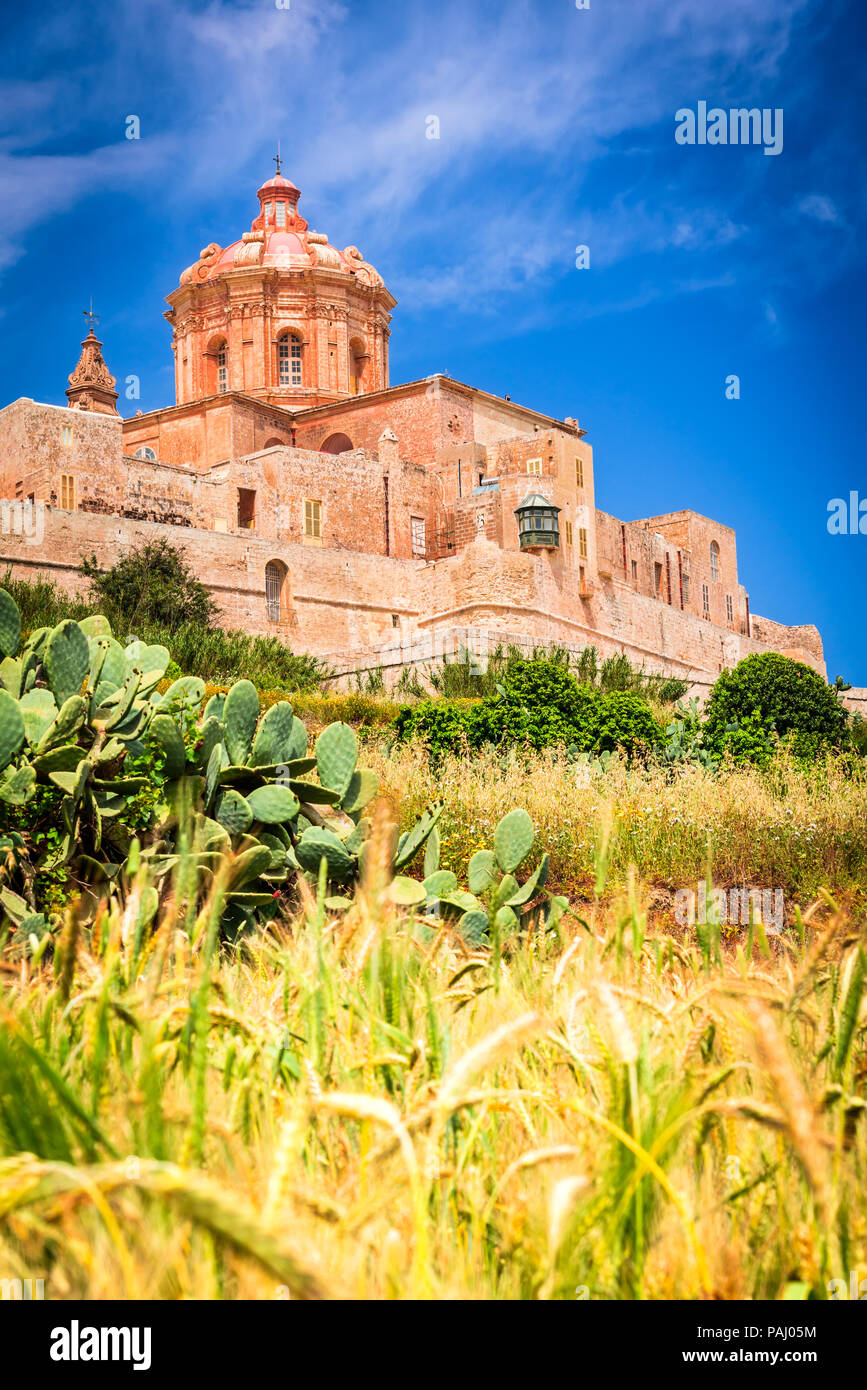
{"x": 274, "y": 575}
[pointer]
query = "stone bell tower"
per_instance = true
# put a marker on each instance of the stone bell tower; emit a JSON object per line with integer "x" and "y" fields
{"x": 91, "y": 385}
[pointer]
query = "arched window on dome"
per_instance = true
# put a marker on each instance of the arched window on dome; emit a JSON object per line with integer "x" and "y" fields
{"x": 222, "y": 367}
{"x": 289, "y": 360}
{"x": 714, "y": 562}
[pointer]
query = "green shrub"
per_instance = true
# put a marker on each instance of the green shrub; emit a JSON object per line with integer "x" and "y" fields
{"x": 151, "y": 584}
{"x": 538, "y": 703}
{"x": 624, "y": 721}
{"x": 443, "y": 725}
{"x": 786, "y": 697}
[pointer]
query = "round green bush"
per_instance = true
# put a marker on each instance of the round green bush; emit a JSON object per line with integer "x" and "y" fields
{"x": 789, "y": 698}
{"x": 624, "y": 721}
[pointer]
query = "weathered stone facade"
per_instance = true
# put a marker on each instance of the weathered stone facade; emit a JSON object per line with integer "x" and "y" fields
{"x": 371, "y": 524}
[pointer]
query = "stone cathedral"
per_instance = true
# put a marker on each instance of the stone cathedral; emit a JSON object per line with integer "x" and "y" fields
{"x": 371, "y": 524}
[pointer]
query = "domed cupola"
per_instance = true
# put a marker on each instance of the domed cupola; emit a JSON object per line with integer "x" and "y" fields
{"x": 280, "y": 314}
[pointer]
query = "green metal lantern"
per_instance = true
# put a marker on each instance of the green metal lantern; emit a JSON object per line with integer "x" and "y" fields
{"x": 538, "y": 524}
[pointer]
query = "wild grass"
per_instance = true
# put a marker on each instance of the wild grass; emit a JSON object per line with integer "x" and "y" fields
{"x": 792, "y": 827}
{"x": 215, "y": 654}
{"x": 336, "y": 1109}
{"x": 464, "y": 676}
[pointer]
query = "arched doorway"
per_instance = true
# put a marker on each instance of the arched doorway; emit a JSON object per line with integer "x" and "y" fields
{"x": 336, "y": 444}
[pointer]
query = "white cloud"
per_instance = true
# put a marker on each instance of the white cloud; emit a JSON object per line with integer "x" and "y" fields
{"x": 820, "y": 207}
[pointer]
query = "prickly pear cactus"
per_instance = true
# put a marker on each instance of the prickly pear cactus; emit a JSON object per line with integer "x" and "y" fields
{"x": 497, "y": 903}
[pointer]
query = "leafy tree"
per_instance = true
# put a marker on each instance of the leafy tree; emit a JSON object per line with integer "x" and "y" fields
{"x": 153, "y": 584}
{"x": 788, "y": 698}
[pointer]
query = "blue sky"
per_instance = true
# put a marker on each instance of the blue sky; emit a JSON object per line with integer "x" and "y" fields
{"x": 556, "y": 129}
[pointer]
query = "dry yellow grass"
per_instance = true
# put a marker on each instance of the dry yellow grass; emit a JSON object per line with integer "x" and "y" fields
{"x": 794, "y": 828}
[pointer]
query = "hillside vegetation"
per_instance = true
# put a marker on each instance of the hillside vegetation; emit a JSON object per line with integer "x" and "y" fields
{"x": 409, "y": 1008}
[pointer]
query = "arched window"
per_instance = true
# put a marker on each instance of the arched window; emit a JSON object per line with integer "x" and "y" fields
{"x": 289, "y": 359}
{"x": 714, "y": 561}
{"x": 357, "y": 364}
{"x": 275, "y": 578}
{"x": 336, "y": 444}
{"x": 145, "y": 452}
{"x": 222, "y": 367}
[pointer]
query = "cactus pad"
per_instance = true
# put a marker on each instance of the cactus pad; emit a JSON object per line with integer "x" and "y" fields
{"x": 10, "y": 624}
{"x": 240, "y": 716}
{"x": 273, "y": 804}
{"x": 336, "y": 756}
{"x": 67, "y": 660}
{"x": 513, "y": 840}
{"x": 11, "y": 728}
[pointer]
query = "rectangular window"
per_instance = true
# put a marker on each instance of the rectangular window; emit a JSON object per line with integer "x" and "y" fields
{"x": 582, "y": 542}
{"x": 67, "y": 492}
{"x": 730, "y": 612}
{"x": 685, "y": 590}
{"x": 635, "y": 571}
{"x": 568, "y": 526}
{"x": 19, "y": 488}
{"x": 289, "y": 360}
{"x": 419, "y": 544}
{"x": 281, "y": 213}
{"x": 66, "y": 434}
{"x": 579, "y": 472}
{"x": 222, "y": 369}
{"x": 534, "y": 466}
{"x": 313, "y": 520}
{"x": 657, "y": 579}
{"x": 246, "y": 509}
{"x": 705, "y": 600}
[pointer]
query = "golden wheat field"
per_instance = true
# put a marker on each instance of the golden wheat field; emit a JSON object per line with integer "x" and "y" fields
{"x": 351, "y": 1106}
